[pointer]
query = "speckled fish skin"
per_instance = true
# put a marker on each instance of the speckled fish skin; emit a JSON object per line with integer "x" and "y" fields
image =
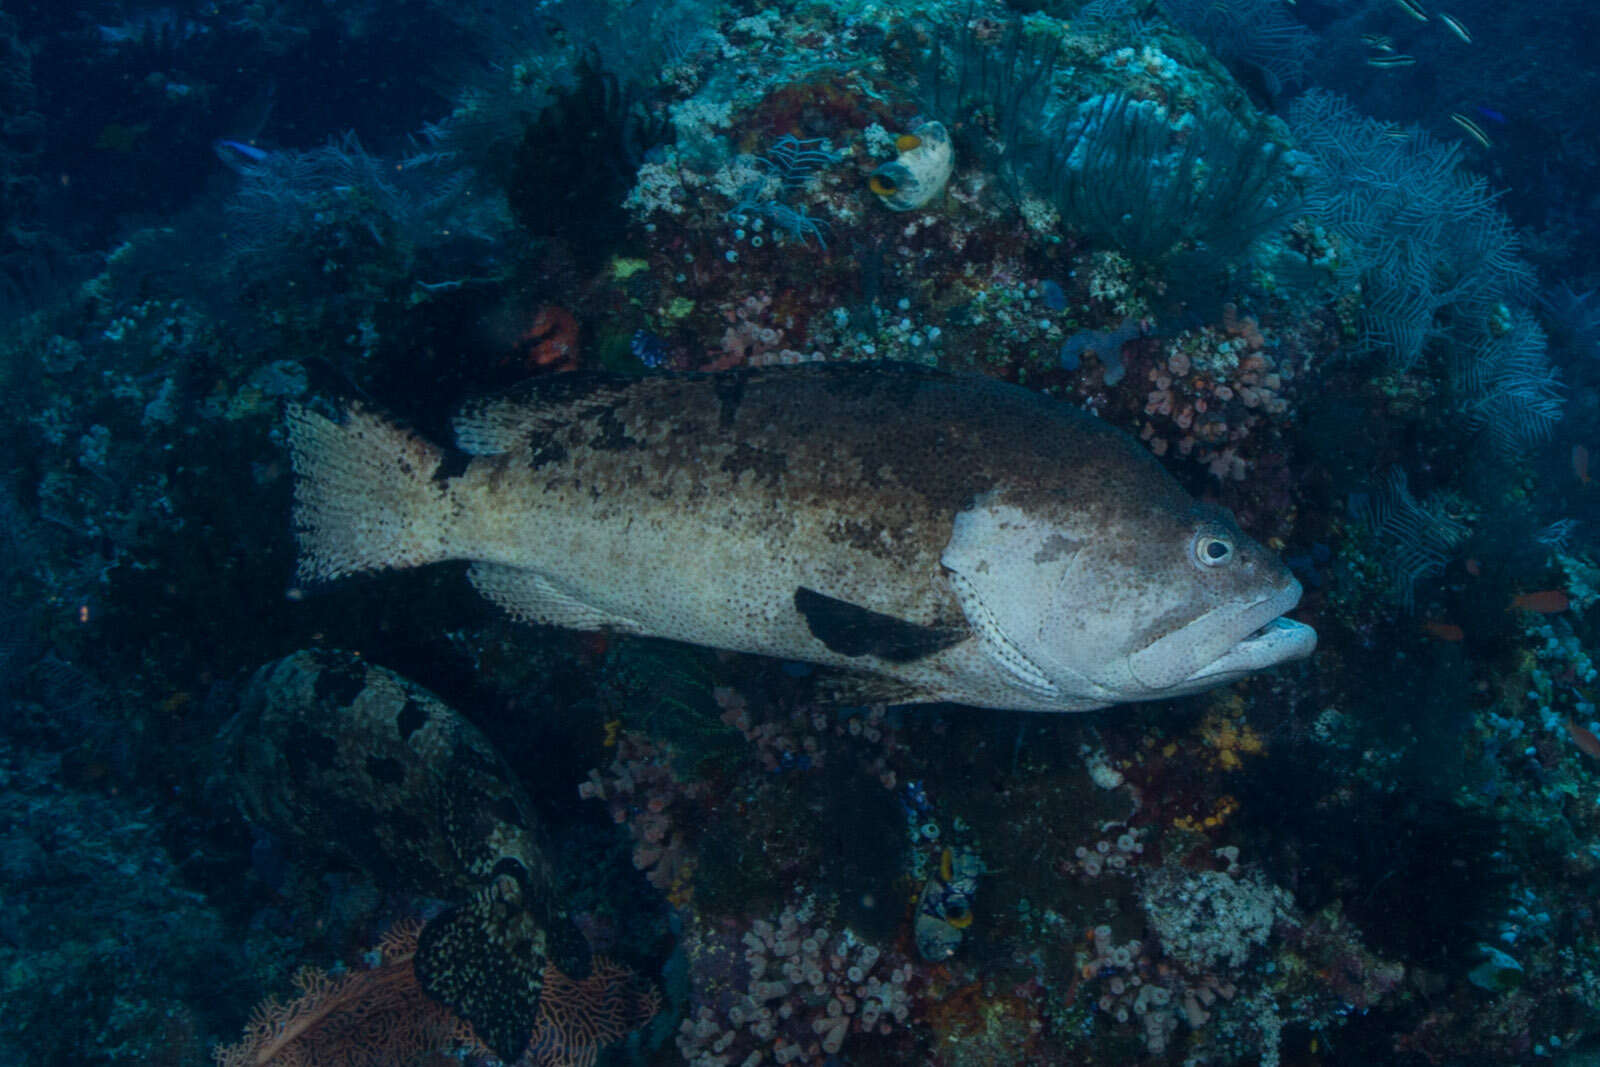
{"x": 349, "y": 760}
{"x": 346, "y": 757}
{"x": 958, "y": 538}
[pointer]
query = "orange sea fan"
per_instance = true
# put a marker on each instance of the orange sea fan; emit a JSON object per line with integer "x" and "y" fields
{"x": 380, "y": 1017}
{"x": 368, "y": 1018}
{"x": 577, "y": 1018}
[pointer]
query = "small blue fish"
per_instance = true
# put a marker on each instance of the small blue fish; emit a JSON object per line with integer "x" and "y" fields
{"x": 238, "y": 155}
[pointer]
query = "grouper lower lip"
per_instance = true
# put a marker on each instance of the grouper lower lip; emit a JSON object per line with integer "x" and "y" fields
{"x": 1278, "y": 639}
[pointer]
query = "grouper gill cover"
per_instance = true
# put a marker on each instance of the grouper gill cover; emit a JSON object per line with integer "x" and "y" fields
{"x": 948, "y": 538}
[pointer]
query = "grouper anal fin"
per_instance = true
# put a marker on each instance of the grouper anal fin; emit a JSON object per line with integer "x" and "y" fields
{"x": 530, "y": 596}
{"x": 851, "y": 630}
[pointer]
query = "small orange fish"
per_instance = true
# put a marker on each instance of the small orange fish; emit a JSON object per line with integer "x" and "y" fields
{"x": 1443, "y": 631}
{"x": 1545, "y": 602}
{"x": 1585, "y": 739}
{"x": 1474, "y": 568}
{"x": 1580, "y": 463}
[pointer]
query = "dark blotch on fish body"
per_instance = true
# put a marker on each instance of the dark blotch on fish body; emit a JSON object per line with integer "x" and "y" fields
{"x": 851, "y": 630}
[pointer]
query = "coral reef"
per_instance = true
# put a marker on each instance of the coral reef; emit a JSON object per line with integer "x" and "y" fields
{"x": 1324, "y": 321}
{"x": 800, "y": 993}
{"x": 380, "y": 1015}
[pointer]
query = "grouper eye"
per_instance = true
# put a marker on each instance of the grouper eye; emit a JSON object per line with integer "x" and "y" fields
{"x": 1212, "y": 550}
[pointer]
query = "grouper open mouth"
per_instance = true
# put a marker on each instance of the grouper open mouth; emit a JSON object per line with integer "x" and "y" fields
{"x": 1278, "y": 641}
{"x": 1201, "y": 655}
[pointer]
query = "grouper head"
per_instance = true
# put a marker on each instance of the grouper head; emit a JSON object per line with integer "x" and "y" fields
{"x": 1089, "y": 599}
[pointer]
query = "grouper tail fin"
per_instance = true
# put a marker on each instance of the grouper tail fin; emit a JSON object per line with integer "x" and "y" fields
{"x": 369, "y": 494}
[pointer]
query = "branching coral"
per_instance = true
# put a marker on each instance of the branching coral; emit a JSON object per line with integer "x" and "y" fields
{"x": 1260, "y": 36}
{"x": 641, "y": 790}
{"x": 1417, "y": 539}
{"x": 796, "y": 991}
{"x": 1515, "y": 395}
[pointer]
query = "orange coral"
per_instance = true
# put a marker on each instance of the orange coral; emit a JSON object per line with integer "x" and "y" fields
{"x": 1244, "y": 328}
{"x": 551, "y": 340}
{"x": 1225, "y": 807}
{"x": 1230, "y": 738}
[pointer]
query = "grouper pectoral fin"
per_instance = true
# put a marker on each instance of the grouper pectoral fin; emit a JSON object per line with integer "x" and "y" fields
{"x": 851, "y": 630}
{"x": 531, "y": 597}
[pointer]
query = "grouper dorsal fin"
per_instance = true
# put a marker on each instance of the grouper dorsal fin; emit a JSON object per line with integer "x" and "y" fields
{"x": 492, "y": 427}
{"x": 851, "y": 630}
{"x": 524, "y": 414}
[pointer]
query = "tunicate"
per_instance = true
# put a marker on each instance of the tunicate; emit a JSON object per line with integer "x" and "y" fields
{"x": 921, "y": 170}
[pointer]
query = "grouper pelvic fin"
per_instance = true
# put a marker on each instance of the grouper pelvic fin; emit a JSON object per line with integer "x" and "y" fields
{"x": 858, "y": 689}
{"x": 531, "y": 597}
{"x": 852, "y": 630}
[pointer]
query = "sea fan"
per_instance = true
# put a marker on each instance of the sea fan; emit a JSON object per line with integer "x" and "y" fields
{"x": 1430, "y": 249}
{"x": 1415, "y": 539}
{"x": 1515, "y": 395}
